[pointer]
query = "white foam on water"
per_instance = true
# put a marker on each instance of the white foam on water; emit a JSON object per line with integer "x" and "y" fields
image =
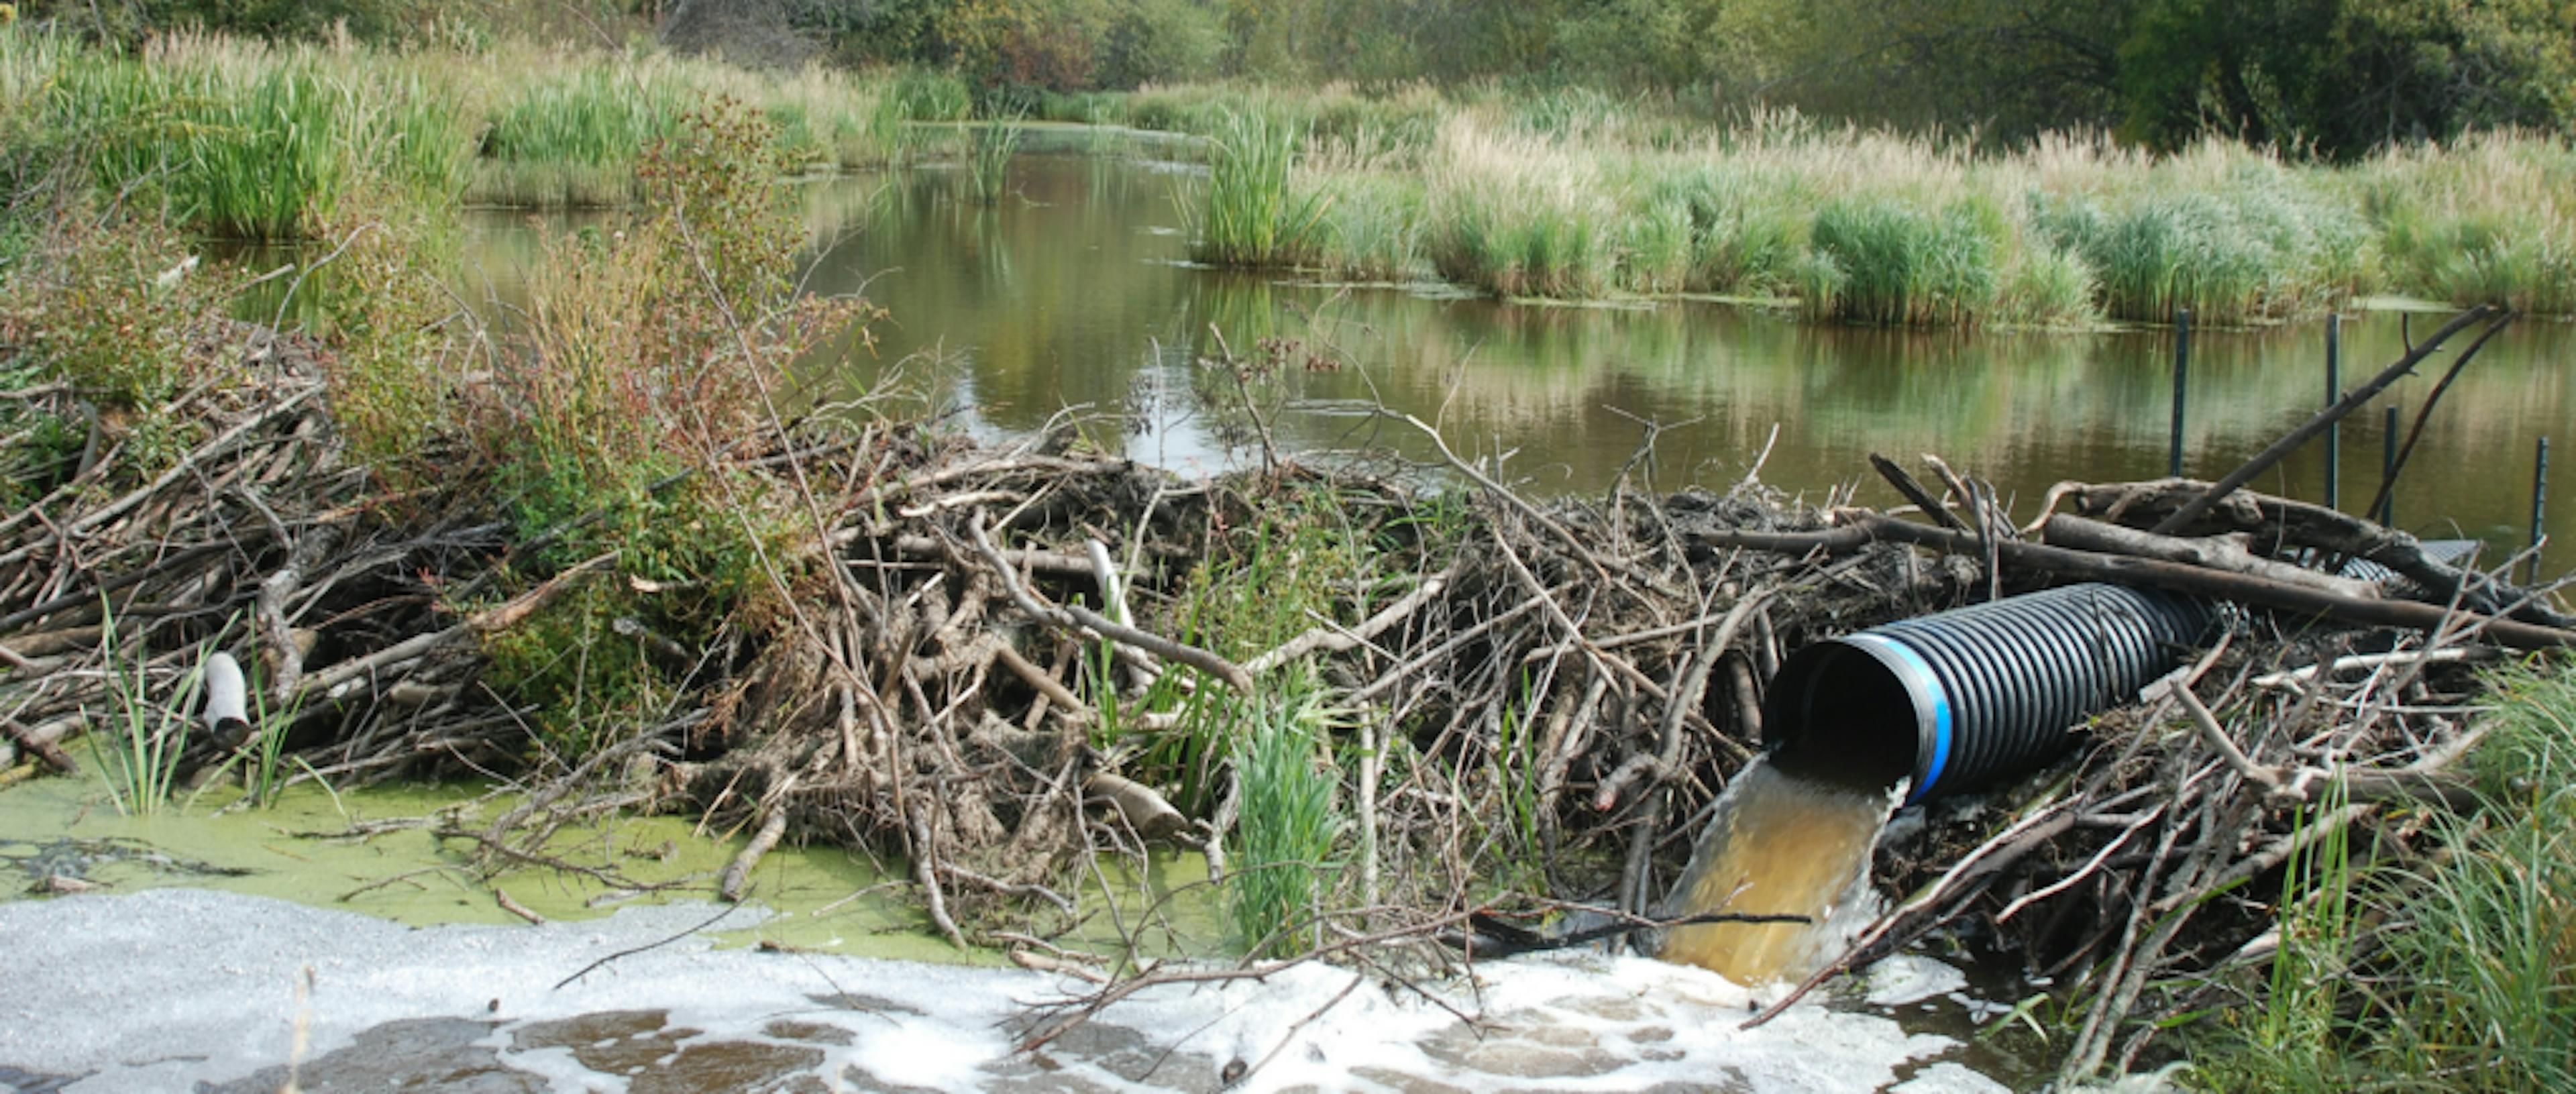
{"x": 160, "y": 989}
{"x": 1912, "y": 978}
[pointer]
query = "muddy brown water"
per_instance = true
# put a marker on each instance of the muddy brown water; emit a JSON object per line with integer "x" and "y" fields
{"x": 1777, "y": 844}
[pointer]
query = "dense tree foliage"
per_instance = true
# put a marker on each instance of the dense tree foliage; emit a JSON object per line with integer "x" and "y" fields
{"x": 2335, "y": 77}
{"x": 2344, "y": 75}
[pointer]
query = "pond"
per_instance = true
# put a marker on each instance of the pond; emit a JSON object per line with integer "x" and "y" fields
{"x": 1075, "y": 290}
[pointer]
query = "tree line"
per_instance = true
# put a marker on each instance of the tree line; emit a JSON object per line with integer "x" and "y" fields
{"x": 2333, "y": 78}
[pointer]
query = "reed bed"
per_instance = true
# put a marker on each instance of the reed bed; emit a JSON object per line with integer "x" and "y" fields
{"x": 1250, "y": 215}
{"x": 1580, "y": 196}
{"x": 262, "y": 154}
{"x": 2490, "y": 219}
{"x": 1566, "y": 193}
{"x": 253, "y": 140}
{"x": 574, "y": 139}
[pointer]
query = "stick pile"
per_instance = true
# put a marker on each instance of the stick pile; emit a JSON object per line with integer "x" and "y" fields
{"x": 979, "y": 644}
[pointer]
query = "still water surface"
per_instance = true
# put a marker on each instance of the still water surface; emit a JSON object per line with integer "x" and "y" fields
{"x": 1076, "y": 291}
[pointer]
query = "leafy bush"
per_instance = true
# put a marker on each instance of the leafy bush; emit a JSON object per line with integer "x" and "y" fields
{"x": 645, "y": 363}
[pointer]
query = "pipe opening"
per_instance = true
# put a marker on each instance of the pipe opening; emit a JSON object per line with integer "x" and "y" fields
{"x": 1838, "y": 713}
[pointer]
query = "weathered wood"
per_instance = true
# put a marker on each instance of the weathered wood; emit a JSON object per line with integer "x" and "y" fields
{"x": 1050, "y": 563}
{"x": 1914, "y": 492}
{"x": 2167, "y": 575}
{"x": 1075, "y": 615}
{"x": 1144, "y": 810}
{"x": 39, "y": 741}
{"x": 2210, "y": 552}
{"x": 773, "y": 827}
{"x": 2283, "y": 524}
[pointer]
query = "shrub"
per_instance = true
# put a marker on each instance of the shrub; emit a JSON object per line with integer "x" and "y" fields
{"x": 644, "y": 364}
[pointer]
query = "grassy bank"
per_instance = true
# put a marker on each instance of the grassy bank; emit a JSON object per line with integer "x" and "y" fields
{"x": 1574, "y": 195}
{"x": 253, "y": 140}
{"x": 2455, "y": 971}
{"x": 1568, "y": 194}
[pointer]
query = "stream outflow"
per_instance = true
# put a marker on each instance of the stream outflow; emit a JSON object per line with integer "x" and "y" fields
{"x": 1777, "y": 844}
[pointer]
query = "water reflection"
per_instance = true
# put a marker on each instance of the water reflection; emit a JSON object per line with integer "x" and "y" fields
{"x": 1075, "y": 290}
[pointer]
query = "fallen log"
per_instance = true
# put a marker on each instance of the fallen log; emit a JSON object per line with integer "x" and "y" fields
{"x": 2284, "y": 523}
{"x": 2209, "y": 552}
{"x": 2179, "y": 577}
{"x": 1145, "y": 811}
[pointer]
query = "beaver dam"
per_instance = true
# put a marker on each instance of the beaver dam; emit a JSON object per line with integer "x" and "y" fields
{"x": 1406, "y": 727}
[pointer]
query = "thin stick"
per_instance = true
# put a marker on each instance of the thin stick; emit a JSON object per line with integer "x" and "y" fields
{"x": 589, "y": 968}
{"x": 502, "y": 898}
{"x": 2354, "y": 400}
{"x": 1072, "y": 616}
{"x": 2424, "y": 413}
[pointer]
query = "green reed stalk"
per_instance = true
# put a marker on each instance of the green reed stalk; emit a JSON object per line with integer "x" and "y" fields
{"x": 988, "y": 158}
{"x": 1250, "y": 216}
{"x": 1287, "y": 827}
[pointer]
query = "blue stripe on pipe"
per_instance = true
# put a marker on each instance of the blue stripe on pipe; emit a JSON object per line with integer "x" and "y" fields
{"x": 1927, "y": 684}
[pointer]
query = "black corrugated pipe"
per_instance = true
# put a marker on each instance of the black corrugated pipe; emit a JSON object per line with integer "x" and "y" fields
{"x": 1975, "y": 694}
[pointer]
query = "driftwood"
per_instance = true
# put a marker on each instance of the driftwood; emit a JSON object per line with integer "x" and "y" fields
{"x": 1865, "y": 529}
{"x": 2228, "y": 553}
{"x": 2280, "y": 525}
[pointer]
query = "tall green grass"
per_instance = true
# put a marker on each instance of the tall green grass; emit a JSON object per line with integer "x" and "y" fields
{"x": 2489, "y": 220}
{"x": 2247, "y": 240}
{"x": 1557, "y": 192}
{"x": 1514, "y": 216}
{"x": 575, "y": 139}
{"x": 1570, "y": 193}
{"x": 2472, "y": 985}
{"x": 1283, "y": 867}
{"x": 245, "y": 139}
{"x": 1371, "y": 225}
{"x": 263, "y": 153}
{"x": 1401, "y": 121}
{"x": 1748, "y": 226}
{"x": 988, "y": 158}
{"x": 1883, "y": 261}
{"x": 1249, "y": 215}
{"x": 146, "y": 728}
